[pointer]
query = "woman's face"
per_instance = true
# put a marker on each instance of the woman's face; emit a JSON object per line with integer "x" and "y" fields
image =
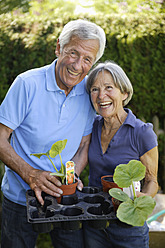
{"x": 107, "y": 99}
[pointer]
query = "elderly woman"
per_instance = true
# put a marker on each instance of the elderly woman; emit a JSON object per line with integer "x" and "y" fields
{"x": 118, "y": 137}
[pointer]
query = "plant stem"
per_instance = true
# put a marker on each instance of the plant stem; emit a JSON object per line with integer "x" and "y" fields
{"x": 134, "y": 193}
{"x": 52, "y": 163}
{"x": 62, "y": 169}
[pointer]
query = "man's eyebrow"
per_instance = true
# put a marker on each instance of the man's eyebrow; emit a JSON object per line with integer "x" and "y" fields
{"x": 73, "y": 49}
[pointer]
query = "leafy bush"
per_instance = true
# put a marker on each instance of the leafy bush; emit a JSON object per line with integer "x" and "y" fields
{"x": 136, "y": 42}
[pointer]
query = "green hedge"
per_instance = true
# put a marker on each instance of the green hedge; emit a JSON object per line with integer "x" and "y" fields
{"x": 136, "y": 42}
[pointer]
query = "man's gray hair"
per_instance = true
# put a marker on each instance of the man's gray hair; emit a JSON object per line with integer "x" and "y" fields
{"x": 85, "y": 30}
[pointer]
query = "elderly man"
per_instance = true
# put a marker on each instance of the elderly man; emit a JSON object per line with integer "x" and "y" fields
{"x": 42, "y": 106}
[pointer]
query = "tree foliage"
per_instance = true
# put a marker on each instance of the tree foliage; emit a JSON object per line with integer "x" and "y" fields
{"x": 128, "y": 6}
{"x": 51, "y": 7}
{"x": 58, "y": 7}
{"x": 10, "y": 5}
{"x": 38, "y": 7}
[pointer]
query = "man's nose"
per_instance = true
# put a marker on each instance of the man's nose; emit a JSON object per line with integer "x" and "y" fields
{"x": 78, "y": 63}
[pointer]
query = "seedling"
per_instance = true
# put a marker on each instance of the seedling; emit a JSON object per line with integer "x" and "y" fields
{"x": 131, "y": 211}
{"x": 55, "y": 150}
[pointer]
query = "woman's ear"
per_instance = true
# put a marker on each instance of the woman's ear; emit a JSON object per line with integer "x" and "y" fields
{"x": 57, "y": 51}
{"x": 125, "y": 95}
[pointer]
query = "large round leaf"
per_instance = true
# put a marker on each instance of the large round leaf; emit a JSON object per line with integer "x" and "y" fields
{"x": 136, "y": 212}
{"x": 125, "y": 174}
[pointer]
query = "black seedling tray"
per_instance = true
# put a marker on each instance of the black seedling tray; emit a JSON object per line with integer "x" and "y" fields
{"x": 91, "y": 205}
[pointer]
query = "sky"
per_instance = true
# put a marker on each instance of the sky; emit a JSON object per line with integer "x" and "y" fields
{"x": 86, "y": 9}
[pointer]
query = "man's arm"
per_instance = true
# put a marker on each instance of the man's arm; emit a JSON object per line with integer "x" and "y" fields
{"x": 38, "y": 180}
{"x": 81, "y": 157}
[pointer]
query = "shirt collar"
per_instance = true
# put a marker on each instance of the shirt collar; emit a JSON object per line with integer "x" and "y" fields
{"x": 51, "y": 83}
{"x": 130, "y": 119}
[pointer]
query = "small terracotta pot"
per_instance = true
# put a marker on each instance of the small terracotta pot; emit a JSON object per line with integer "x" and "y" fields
{"x": 115, "y": 203}
{"x": 68, "y": 189}
{"x": 108, "y": 183}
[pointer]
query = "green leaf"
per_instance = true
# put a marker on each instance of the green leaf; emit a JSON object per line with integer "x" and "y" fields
{"x": 57, "y": 148}
{"x": 38, "y": 155}
{"x": 125, "y": 174}
{"x": 136, "y": 212}
{"x": 57, "y": 174}
{"x": 119, "y": 194}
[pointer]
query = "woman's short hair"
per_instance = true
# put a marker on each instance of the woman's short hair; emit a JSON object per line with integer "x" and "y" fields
{"x": 85, "y": 30}
{"x": 120, "y": 79}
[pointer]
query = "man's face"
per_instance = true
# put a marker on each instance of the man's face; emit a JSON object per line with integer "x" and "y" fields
{"x": 75, "y": 61}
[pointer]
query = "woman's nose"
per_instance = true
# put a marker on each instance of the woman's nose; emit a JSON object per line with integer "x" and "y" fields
{"x": 101, "y": 93}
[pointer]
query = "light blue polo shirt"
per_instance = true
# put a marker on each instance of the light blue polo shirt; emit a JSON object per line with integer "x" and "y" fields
{"x": 40, "y": 114}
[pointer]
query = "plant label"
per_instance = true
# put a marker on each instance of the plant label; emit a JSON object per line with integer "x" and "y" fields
{"x": 129, "y": 190}
{"x": 70, "y": 178}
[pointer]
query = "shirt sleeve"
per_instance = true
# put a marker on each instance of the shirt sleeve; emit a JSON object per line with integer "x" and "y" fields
{"x": 14, "y": 106}
{"x": 147, "y": 139}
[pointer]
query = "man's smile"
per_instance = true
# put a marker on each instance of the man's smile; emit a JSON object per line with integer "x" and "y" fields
{"x": 73, "y": 73}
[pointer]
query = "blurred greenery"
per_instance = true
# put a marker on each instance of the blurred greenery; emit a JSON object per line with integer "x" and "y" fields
{"x": 58, "y": 7}
{"x": 135, "y": 41}
{"x": 44, "y": 241}
{"x": 128, "y": 6}
{"x": 10, "y": 5}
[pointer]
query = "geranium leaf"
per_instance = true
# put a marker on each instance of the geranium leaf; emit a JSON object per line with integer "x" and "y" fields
{"x": 137, "y": 170}
{"x": 119, "y": 194}
{"x": 135, "y": 212}
{"x": 125, "y": 174}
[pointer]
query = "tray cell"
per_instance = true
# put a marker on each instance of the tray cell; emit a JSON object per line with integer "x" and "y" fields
{"x": 94, "y": 199}
{"x": 72, "y": 211}
{"x": 69, "y": 199}
{"x": 90, "y": 190}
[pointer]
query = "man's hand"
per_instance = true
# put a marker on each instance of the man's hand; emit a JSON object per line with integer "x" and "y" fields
{"x": 42, "y": 181}
{"x": 80, "y": 184}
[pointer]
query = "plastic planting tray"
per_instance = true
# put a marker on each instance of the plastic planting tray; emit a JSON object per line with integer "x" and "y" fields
{"x": 91, "y": 205}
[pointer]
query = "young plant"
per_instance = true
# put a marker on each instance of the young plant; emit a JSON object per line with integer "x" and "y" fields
{"x": 131, "y": 211}
{"x": 55, "y": 150}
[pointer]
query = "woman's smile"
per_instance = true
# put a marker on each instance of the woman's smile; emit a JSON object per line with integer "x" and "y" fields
{"x": 105, "y": 104}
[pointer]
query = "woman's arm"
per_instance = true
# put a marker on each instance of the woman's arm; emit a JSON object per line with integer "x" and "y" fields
{"x": 150, "y": 161}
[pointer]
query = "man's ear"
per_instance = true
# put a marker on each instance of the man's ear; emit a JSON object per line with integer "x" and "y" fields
{"x": 57, "y": 51}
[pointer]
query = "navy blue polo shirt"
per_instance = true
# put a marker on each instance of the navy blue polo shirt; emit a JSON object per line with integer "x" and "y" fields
{"x": 133, "y": 139}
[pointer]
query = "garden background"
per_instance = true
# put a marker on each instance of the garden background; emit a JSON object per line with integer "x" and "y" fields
{"x": 135, "y": 40}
